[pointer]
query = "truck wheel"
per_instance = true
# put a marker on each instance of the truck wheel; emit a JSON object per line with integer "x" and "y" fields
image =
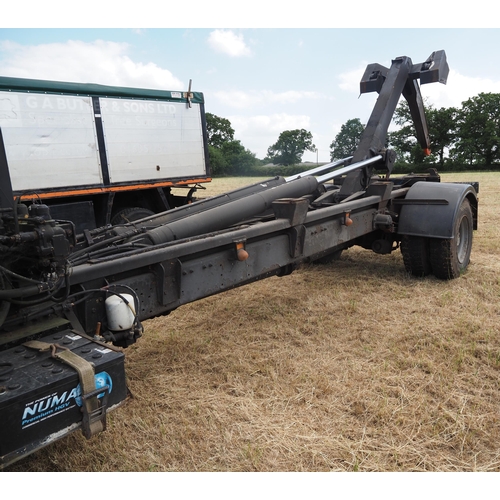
{"x": 450, "y": 257}
{"x": 415, "y": 250}
{"x": 130, "y": 215}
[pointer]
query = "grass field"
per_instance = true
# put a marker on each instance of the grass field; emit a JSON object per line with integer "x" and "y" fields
{"x": 351, "y": 366}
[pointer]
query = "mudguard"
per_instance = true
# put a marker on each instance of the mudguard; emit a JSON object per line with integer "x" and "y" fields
{"x": 430, "y": 208}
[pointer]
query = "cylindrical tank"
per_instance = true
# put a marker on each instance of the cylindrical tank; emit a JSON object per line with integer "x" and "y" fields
{"x": 120, "y": 314}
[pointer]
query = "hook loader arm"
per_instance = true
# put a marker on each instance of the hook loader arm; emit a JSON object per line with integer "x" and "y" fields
{"x": 390, "y": 83}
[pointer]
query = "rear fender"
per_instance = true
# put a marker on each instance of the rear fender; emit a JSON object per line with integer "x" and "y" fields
{"x": 434, "y": 219}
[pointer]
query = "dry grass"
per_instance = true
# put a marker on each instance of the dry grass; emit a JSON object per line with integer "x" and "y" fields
{"x": 352, "y": 366}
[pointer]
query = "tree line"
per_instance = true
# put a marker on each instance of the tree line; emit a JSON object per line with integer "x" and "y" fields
{"x": 463, "y": 138}
{"x": 229, "y": 157}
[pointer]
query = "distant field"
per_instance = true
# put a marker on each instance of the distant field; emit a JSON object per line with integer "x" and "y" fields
{"x": 225, "y": 184}
{"x": 351, "y": 366}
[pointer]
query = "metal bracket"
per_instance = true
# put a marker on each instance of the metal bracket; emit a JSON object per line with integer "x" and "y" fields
{"x": 188, "y": 95}
{"x": 168, "y": 275}
{"x": 297, "y": 240}
{"x": 293, "y": 209}
{"x": 434, "y": 69}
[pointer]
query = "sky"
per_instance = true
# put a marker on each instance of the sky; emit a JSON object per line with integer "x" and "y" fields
{"x": 264, "y": 80}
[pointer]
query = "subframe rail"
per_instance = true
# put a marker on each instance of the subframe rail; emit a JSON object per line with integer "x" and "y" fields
{"x": 187, "y": 270}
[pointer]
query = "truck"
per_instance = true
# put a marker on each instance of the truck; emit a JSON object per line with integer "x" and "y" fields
{"x": 70, "y": 303}
{"x": 98, "y": 154}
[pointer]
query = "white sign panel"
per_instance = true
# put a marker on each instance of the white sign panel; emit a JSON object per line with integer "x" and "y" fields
{"x": 152, "y": 140}
{"x": 50, "y": 140}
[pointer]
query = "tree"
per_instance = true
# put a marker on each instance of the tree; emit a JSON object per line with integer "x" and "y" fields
{"x": 442, "y": 131}
{"x": 290, "y": 147}
{"x": 347, "y": 140}
{"x": 219, "y": 130}
{"x": 239, "y": 160}
{"x": 441, "y": 126}
{"x": 226, "y": 154}
{"x": 218, "y": 163}
{"x": 478, "y": 130}
{"x": 404, "y": 140}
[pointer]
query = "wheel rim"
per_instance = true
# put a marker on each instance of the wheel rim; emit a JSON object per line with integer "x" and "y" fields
{"x": 463, "y": 240}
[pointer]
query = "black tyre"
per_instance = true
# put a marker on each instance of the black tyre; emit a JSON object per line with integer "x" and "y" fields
{"x": 127, "y": 215}
{"x": 450, "y": 257}
{"x": 415, "y": 250}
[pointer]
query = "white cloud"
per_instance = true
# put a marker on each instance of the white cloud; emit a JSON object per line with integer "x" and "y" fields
{"x": 290, "y": 96}
{"x": 228, "y": 43}
{"x": 261, "y": 131}
{"x": 241, "y": 99}
{"x": 238, "y": 98}
{"x": 75, "y": 61}
{"x": 458, "y": 89}
{"x": 263, "y": 124}
{"x": 349, "y": 80}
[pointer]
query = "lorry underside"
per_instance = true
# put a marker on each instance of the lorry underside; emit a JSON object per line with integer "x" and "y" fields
{"x": 67, "y": 299}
